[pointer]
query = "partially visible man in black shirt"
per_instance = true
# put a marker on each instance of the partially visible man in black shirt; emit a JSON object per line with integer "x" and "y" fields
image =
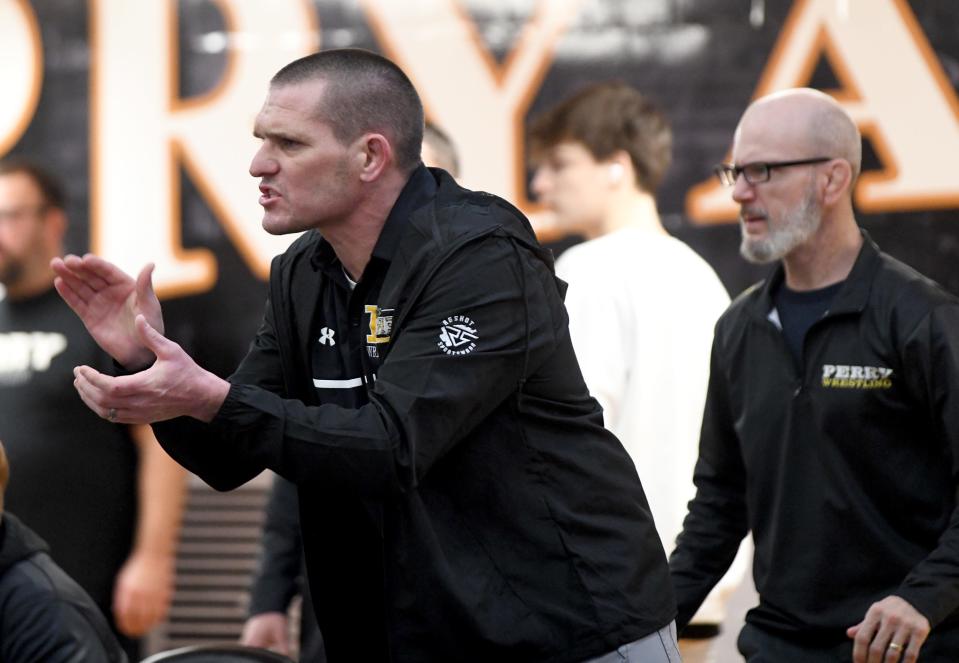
{"x": 104, "y": 497}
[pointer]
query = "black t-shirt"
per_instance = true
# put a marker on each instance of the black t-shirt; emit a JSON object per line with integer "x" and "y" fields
{"x": 799, "y": 310}
{"x": 347, "y": 331}
{"x": 72, "y": 474}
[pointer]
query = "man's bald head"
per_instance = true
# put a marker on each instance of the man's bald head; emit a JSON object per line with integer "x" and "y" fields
{"x": 806, "y": 154}
{"x": 813, "y": 121}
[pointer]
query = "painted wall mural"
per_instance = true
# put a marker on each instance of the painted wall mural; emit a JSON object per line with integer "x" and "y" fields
{"x": 146, "y": 109}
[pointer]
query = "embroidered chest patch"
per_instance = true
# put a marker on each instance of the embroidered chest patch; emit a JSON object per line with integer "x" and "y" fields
{"x": 458, "y": 335}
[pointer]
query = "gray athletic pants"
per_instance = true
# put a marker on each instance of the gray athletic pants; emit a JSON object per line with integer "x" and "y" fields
{"x": 658, "y": 647}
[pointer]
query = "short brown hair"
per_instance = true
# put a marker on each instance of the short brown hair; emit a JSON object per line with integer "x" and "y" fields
{"x": 606, "y": 118}
{"x": 364, "y": 92}
{"x": 50, "y": 187}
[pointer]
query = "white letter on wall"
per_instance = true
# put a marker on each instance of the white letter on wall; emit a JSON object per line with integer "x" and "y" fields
{"x": 893, "y": 87}
{"x": 141, "y": 132}
{"x": 21, "y": 69}
{"x": 478, "y": 101}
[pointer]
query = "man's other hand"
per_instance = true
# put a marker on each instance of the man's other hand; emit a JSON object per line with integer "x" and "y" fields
{"x": 267, "y": 630}
{"x": 142, "y": 593}
{"x": 892, "y": 631}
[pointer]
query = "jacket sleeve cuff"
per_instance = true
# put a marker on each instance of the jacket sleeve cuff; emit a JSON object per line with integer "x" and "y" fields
{"x": 252, "y": 421}
{"x": 245, "y": 407}
{"x": 232, "y": 407}
{"x": 275, "y": 598}
{"x": 926, "y": 601}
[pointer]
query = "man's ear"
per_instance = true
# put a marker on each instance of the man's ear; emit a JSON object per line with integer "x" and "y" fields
{"x": 54, "y": 228}
{"x": 838, "y": 180}
{"x": 375, "y": 154}
{"x": 618, "y": 167}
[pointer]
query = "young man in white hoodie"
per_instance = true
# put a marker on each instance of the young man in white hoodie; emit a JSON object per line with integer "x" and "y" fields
{"x": 642, "y": 304}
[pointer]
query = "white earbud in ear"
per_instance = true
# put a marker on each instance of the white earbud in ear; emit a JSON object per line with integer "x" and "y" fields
{"x": 615, "y": 172}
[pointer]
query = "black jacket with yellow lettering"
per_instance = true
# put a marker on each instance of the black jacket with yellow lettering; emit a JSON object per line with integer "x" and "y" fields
{"x": 845, "y": 469}
{"x": 472, "y": 507}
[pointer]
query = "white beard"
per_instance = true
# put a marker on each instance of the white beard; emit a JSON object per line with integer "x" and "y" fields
{"x": 793, "y": 229}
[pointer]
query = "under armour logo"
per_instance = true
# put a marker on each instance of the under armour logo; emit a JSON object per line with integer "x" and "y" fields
{"x": 326, "y": 336}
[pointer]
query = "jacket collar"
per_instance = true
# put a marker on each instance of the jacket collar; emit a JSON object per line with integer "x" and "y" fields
{"x": 17, "y": 541}
{"x": 419, "y": 189}
{"x": 853, "y": 294}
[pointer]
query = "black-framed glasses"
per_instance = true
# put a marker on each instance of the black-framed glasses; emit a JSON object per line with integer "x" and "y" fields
{"x": 758, "y": 171}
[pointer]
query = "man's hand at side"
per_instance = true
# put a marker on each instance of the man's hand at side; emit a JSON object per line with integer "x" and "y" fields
{"x": 891, "y": 631}
{"x": 141, "y": 597}
{"x": 268, "y": 630}
{"x": 173, "y": 386}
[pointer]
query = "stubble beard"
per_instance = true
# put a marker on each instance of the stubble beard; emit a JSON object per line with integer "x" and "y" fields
{"x": 11, "y": 272}
{"x": 290, "y": 221}
{"x": 795, "y": 228}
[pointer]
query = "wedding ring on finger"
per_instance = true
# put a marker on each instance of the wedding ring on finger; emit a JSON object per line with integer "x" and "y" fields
{"x": 112, "y": 416}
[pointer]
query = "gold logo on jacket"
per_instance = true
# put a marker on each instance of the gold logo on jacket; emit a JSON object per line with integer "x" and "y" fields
{"x": 845, "y": 376}
{"x": 381, "y": 324}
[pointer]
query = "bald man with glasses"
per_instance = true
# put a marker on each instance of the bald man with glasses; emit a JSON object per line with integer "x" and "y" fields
{"x": 831, "y": 427}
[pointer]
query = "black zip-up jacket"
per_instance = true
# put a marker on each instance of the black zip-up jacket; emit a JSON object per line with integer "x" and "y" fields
{"x": 44, "y": 615}
{"x": 473, "y": 508}
{"x": 845, "y": 468}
